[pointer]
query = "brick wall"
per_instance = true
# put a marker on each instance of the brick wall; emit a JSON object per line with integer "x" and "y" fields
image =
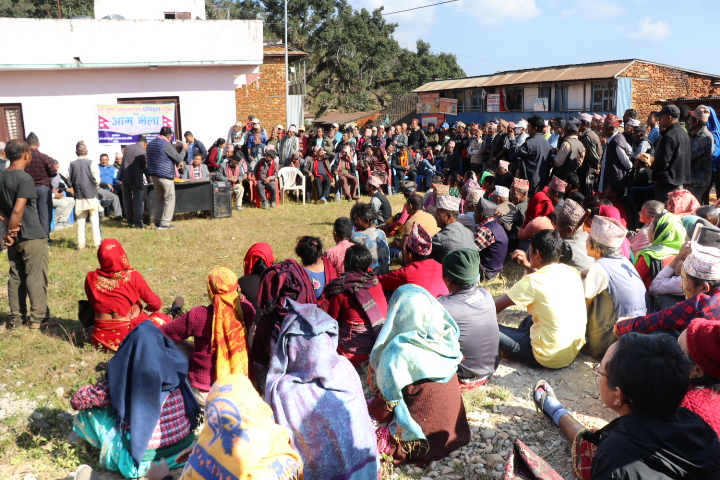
{"x": 664, "y": 83}
{"x": 267, "y": 102}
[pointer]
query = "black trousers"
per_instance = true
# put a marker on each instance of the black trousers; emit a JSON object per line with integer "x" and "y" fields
{"x": 44, "y": 207}
{"x": 322, "y": 185}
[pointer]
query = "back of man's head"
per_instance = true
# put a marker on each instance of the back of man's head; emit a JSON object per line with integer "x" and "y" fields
{"x": 536, "y": 121}
{"x": 709, "y": 213}
{"x": 572, "y": 180}
{"x": 651, "y": 370}
{"x": 166, "y": 131}
{"x": 548, "y": 244}
{"x": 343, "y": 227}
{"x": 15, "y": 149}
{"x": 631, "y": 112}
{"x": 142, "y": 139}
{"x": 32, "y": 139}
{"x": 415, "y": 201}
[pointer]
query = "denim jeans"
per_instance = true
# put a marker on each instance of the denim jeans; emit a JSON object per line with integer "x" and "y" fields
{"x": 515, "y": 342}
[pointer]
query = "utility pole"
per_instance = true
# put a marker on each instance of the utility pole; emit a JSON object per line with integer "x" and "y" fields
{"x": 287, "y": 74}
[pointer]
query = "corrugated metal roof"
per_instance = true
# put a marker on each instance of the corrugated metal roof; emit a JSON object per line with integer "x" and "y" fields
{"x": 341, "y": 118}
{"x": 565, "y": 73}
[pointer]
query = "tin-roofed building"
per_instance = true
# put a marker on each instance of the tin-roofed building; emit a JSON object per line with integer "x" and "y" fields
{"x": 563, "y": 90}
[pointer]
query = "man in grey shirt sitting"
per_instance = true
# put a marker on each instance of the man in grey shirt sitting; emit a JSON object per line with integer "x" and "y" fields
{"x": 473, "y": 309}
{"x": 452, "y": 235}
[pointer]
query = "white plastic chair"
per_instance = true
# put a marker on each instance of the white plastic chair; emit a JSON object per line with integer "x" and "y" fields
{"x": 288, "y": 179}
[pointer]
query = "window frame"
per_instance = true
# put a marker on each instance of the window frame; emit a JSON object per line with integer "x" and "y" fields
{"x": 4, "y": 128}
{"x": 610, "y": 96}
{"x": 521, "y": 96}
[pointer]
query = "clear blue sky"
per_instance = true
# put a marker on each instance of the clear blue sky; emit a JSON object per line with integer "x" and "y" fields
{"x": 493, "y": 35}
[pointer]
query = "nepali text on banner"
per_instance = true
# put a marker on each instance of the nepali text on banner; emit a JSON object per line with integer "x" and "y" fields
{"x": 126, "y": 122}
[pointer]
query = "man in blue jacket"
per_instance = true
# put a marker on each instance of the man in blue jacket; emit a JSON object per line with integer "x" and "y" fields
{"x": 161, "y": 160}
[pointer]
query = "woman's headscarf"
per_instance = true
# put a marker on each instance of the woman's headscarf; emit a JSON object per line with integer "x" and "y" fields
{"x": 114, "y": 266}
{"x": 240, "y": 439}
{"x": 713, "y": 126}
{"x": 228, "y": 342}
{"x": 612, "y": 212}
{"x": 112, "y": 279}
{"x": 420, "y": 340}
{"x": 668, "y": 239}
{"x": 689, "y": 221}
{"x": 256, "y": 252}
{"x": 317, "y": 394}
{"x": 539, "y": 206}
{"x": 141, "y": 375}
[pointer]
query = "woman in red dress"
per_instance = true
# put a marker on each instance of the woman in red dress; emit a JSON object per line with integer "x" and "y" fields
{"x": 114, "y": 290}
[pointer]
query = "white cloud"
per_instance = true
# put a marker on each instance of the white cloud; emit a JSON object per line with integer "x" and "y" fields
{"x": 494, "y": 11}
{"x": 651, "y": 31}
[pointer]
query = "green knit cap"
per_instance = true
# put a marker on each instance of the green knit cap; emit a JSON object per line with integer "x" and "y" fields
{"x": 462, "y": 266}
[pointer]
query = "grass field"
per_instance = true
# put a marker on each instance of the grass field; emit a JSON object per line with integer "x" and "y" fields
{"x": 39, "y": 370}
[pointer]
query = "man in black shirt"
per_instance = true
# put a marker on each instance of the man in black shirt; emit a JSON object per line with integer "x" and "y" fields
{"x": 643, "y": 378}
{"x": 26, "y": 239}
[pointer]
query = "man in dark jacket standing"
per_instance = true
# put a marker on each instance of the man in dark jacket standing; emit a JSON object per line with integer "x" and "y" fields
{"x": 417, "y": 137}
{"x": 161, "y": 160}
{"x": 533, "y": 155}
{"x": 131, "y": 172}
{"x": 671, "y": 168}
{"x": 41, "y": 169}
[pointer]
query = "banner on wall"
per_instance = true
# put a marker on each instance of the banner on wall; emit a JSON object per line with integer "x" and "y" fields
{"x": 426, "y": 103}
{"x": 493, "y": 102}
{"x": 447, "y": 106}
{"x": 437, "y": 119}
{"x": 125, "y": 123}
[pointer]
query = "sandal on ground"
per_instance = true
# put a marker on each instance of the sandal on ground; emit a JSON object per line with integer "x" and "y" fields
{"x": 547, "y": 391}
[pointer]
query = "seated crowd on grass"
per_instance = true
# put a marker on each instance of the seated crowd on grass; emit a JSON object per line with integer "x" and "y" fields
{"x": 323, "y": 366}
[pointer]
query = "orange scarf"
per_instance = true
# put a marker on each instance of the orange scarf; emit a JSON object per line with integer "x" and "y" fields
{"x": 228, "y": 342}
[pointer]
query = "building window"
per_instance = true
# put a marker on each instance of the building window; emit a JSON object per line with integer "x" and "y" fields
{"x": 156, "y": 100}
{"x": 544, "y": 92}
{"x": 11, "y": 122}
{"x": 477, "y": 100}
{"x": 603, "y": 96}
{"x": 561, "y": 97}
{"x": 177, "y": 16}
{"x": 513, "y": 99}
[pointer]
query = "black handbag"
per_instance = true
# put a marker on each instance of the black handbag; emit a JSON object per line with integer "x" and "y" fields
{"x": 86, "y": 314}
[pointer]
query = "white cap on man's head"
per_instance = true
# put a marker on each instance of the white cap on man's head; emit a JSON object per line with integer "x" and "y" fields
{"x": 255, "y": 120}
{"x": 336, "y": 125}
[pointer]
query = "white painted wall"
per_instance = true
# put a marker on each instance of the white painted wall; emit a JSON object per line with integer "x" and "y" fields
{"x": 113, "y": 43}
{"x": 531, "y": 93}
{"x": 60, "y": 105}
{"x": 575, "y": 96}
{"x": 149, "y": 10}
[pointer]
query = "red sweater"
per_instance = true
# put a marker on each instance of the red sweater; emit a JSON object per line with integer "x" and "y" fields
{"x": 427, "y": 274}
{"x": 197, "y": 323}
{"x": 706, "y": 403}
{"x": 346, "y": 308}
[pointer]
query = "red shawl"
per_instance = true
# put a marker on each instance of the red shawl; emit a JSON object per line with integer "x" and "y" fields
{"x": 112, "y": 285}
{"x": 539, "y": 206}
{"x": 255, "y": 253}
